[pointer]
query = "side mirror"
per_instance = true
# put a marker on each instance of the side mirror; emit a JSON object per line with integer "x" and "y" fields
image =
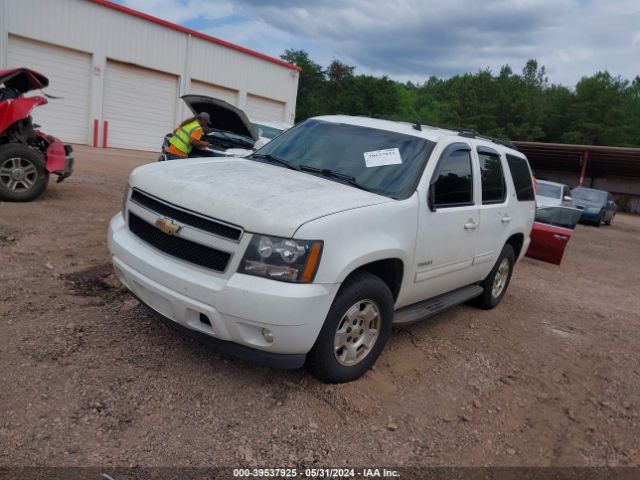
{"x": 567, "y": 198}
{"x": 431, "y": 197}
{"x": 261, "y": 142}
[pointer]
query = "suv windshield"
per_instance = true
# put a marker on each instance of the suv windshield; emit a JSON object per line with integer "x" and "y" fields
{"x": 548, "y": 190}
{"x": 589, "y": 195}
{"x": 383, "y": 162}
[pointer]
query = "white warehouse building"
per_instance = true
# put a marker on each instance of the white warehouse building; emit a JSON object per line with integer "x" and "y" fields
{"x": 121, "y": 73}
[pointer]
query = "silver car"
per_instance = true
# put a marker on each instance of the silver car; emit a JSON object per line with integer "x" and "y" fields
{"x": 552, "y": 194}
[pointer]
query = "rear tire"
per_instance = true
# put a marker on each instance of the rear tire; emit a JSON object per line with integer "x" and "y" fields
{"x": 496, "y": 283}
{"x": 23, "y": 176}
{"x": 355, "y": 331}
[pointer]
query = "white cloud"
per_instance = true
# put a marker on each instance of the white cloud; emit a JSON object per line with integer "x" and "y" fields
{"x": 412, "y": 39}
{"x": 255, "y": 34}
{"x": 180, "y": 11}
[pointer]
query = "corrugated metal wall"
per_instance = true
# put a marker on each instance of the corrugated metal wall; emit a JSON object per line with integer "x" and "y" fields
{"x": 110, "y": 35}
{"x": 69, "y": 71}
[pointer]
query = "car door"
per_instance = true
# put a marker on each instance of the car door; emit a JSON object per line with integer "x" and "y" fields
{"x": 495, "y": 219}
{"x": 551, "y": 232}
{"x": 447, "y": 225}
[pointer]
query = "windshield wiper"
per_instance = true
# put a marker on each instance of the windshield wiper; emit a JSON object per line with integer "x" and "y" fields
{"x": 330, "y": 173}
{"x": 270, "y": 158}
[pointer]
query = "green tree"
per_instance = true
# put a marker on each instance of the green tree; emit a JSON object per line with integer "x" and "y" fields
{"x": 599, "y": 114}
{"x": 311, "y": 94}
{"x": 602, "y": 109}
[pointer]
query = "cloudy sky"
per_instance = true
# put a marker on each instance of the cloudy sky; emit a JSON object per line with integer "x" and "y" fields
{"x": 413, "y": 39}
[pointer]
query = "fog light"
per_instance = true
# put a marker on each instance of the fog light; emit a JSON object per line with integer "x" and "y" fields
{"x": 268, "y": 336}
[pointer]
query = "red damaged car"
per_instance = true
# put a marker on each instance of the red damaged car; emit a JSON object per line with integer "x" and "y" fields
{"x": 27, "y": 155}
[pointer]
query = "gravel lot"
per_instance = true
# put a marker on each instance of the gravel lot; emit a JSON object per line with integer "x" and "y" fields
{"x": 549, "y": 378}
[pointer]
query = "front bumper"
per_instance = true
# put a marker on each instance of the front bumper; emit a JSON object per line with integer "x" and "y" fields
{"x": 59, "y": 156}
{"x": 69, "y": 160}
{"x": 590, "y": 215}
{"x": 236, "y": 307}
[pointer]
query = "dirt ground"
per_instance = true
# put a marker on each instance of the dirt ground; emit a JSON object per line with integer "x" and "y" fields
{"x": 549, "y": 378}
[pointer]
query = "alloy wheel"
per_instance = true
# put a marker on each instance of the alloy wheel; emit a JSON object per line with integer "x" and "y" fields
{"x": 18, "y": 174}
{"x": 500, "y": 280}
{"x": 357, "y": 332}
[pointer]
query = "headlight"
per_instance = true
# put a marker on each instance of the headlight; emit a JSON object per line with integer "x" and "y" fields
{"x": 282, "y": 259}
{"x": 127, "y": 192}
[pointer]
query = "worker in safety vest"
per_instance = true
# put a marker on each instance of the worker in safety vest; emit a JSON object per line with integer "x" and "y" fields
{"x": 188, "y": 135}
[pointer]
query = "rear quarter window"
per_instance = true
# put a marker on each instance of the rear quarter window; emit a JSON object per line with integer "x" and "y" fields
{"x": 522, "y": 180}
{"x": 492, "y": 177}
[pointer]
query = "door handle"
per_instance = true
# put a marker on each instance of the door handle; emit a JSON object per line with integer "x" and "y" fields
{"x": 470, "y": 225}
{"x": 506, "y": 219}
{"x": 561, "y": 237}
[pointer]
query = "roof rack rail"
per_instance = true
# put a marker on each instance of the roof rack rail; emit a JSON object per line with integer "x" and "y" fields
{"x": 470, "y": 133}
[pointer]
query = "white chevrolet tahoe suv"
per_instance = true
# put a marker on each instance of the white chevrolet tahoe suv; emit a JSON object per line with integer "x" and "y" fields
{"x": 310, "y": 249}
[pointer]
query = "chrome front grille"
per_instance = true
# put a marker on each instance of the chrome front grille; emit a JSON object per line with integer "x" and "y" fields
{"x": 210, "y": 225}
{"x": 178, "y": 247}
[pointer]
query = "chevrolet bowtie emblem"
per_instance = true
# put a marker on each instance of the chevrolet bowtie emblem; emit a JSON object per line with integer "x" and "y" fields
{"x": 167, "y": 226}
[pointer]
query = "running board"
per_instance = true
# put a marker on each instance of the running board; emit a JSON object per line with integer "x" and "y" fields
{"x": 428, "y": 308}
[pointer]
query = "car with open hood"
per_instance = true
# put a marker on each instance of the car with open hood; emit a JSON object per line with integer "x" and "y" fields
{"x": 307, "y": 251}
{"x": 27, "y": 155}
{"x": 229, "y": 132}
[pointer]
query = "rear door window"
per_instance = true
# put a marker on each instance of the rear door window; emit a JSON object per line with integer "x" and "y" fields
{"x": 521, "y": 175}
{"x": 454, "y": 180}
{"x": 492, "y": 177}
{"x": 563, "y": 217}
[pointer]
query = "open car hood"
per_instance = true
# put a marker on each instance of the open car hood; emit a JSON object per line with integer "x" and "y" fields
{"x": 224, "y": 116}
{"x": 23, "y": 80}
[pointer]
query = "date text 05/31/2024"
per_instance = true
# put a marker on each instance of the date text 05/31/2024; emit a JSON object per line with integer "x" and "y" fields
{"x": 314, "y": 473}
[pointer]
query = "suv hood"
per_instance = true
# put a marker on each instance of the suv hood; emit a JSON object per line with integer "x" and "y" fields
{"x": 258, "y": 197}
{"x": 224, "y": 116}
{"x": 23, "y": 80}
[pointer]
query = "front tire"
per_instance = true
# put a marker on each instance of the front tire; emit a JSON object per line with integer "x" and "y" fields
{"x": 496, "y": 283}
{"x": 600, "y": 220}
{"x": 23, "y": 176}
{"x": 608, "y": 222}
{"x": 355, "y": 331}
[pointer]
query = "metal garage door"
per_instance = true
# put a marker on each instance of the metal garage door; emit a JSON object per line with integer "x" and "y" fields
{"x": 69, "y": 73}
{"x": 261, "y": 108}
{"x": 216, "y": 91}
{"x": 140, "y": 106}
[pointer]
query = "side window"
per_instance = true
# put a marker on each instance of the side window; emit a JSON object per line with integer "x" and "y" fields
{"x": 521, "y": 177}
{"x": 453, "y": 186}
{"x": 493, "y": 186}
{"x": 558, "y": 216}
{"x": 565, "y": 192}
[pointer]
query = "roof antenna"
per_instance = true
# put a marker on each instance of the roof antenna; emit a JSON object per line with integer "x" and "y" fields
{"x": 417, "y": 126}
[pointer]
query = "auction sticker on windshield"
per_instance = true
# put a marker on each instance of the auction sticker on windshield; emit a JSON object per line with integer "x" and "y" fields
{"x": 380, "y": 158}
